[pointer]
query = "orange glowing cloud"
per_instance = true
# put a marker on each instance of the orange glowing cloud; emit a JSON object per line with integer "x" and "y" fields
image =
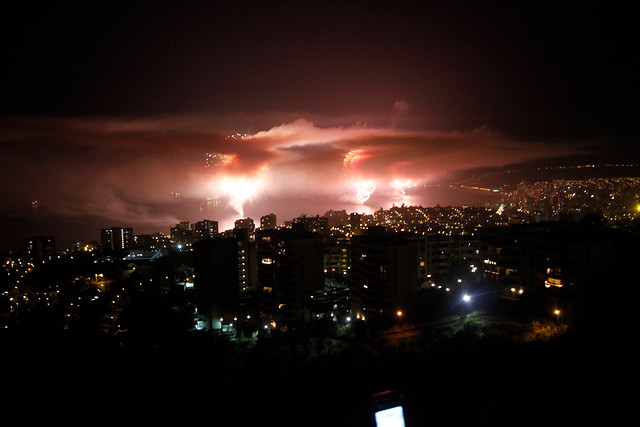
{"x": 127, "y": 168}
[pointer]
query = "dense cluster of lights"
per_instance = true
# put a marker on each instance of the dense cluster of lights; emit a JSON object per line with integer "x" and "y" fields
{"x": 352, "y": 158}
{"x": 438, "y": 220}
{"x": 213, "y": 160}
{"x": 237, "y": 136}
{"x": 617, "y": 198}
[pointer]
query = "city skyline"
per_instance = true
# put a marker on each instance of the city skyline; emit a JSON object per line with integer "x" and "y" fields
{"x": 148, "y": 116}
{"x": 313, "y": 212}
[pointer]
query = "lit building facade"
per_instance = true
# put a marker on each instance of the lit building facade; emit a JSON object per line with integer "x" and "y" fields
{"x": 183, "y": 233}
{"x": 39, "y": 248}
{"x": 206, "y": 229}
{"x": 290, "y": 273}
{"x": 268, "y": 222}
{"x": 246, "y": 224}
{"x": 337, "y": 258}
{"x": 443, "y": 256}
{"x": 117, "y": 238}
{"x": 313, "y": 224}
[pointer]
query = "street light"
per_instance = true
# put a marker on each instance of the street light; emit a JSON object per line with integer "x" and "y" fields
{"x": 557, "y": 313}
{"x": 466, "y": 298}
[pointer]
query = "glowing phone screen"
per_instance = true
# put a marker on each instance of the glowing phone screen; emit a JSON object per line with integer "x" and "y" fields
{"x": 392, "y": 417}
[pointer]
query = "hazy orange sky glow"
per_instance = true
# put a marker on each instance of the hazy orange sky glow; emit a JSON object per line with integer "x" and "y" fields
{"x": 124, "y": 170}
{"x": 110, "y": 111}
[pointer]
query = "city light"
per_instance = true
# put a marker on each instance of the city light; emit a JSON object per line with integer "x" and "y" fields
{"x": 428, "y": 165}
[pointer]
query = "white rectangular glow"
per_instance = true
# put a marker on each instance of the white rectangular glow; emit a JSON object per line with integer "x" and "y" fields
{"x": 392, "y": 417}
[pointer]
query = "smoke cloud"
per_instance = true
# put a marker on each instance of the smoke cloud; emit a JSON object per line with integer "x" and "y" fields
{"x": 154, "y": 170}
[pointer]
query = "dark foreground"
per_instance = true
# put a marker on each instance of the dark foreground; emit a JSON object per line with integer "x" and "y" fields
{"x": 470, "y": 376}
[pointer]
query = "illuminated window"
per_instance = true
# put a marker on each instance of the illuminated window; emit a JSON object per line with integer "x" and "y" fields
{"x": 552, "y": 281}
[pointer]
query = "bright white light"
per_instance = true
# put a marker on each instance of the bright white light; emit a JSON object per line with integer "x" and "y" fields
{"x": 239, "y": 190}
{"x": 392, "y": 417}
{"x": 466, "y": 298}
{"x": 400, "y": 187}
{"x": 364, "y": 190}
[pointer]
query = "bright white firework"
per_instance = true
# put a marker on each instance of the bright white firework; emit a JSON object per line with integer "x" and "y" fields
{"x": 240, "y": 189}
{"x": 364, "y": 190}
{"x": 400, "y": 187}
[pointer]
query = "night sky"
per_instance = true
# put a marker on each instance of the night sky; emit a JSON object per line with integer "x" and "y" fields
{"x": 109, "y": 109}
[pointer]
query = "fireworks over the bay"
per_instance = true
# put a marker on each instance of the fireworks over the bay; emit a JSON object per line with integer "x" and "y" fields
{"x": 129, "y": 171}
{"x": 158, "y": 115}
{"x": 359, "y": 167}
{"x": 349, "y": 164}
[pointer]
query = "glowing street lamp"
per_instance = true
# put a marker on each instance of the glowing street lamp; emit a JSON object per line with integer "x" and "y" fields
{"x": 557, "y": 313}
{"x": 466, "y": 298}
{"x": 399, "y": 313}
